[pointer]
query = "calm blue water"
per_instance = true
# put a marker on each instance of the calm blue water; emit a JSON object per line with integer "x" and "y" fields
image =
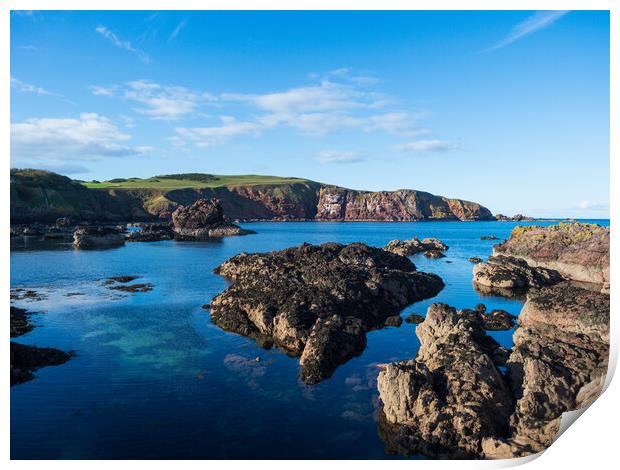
{"x": 154, "y": 378}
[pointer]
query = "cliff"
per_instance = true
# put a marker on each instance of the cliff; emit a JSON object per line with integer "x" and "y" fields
{"x": 42, "y": 196}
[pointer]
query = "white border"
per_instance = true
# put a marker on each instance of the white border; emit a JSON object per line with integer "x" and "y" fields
{"x": 592, "y": 442}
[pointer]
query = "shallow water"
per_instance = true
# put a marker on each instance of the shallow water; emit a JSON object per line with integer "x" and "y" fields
{"x": 154, "y": 378}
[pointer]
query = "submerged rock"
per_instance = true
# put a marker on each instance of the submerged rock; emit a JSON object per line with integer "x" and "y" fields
{"x": 475, "y": 259}
{"x": 414, "y": 318}
{"x": 318, "y": 302}
{"x": 506, "y": 272}
{"x": 489, "y": 237}
{"x": 97, "y": 237}
{"x": 444, "y": 402}
{"x": 202, "y": 220}
{"x": 576, "y": 250}
{"x": 415, "y": 245}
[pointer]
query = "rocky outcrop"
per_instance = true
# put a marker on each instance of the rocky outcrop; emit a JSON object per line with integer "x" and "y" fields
{"x": 576, "y": 250}
{"x": 202, "y": 220}
{"x": 25, "y": 359}
{"x": 507, "y": 272}
{"x": 318, "y": 302}
{"x": 414, "y": 246}
{"x": 452, "y": 395}
{"x": 97, "y": 237}
{"x": 38, "y": 195}
{"x": 151, "y": 233}
{"x": 495, "y": 320}
{"x": 453, "y": 400}
{"x": 558, "y": 364}
{"x": 514, "y": 218}
{"x": 336, "y": 203}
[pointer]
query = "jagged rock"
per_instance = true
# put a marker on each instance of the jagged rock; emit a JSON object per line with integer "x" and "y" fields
{"x": 395, "y": 320}
{"x": 324, "y": 298}
{"x": 576, "y": 250}
{"x": 506, "y": 272}
{"x": 202, "y": 220}
{"x": 27, "y": 359}
{"x": 558, "y": 363}
{"x": 414, "y": 318}
{"x": 452, "y": 395}
{"x": 97, "y": 237}
{"x": 434, "y": 254}
{"x": 151, "y": 233}
{"x": 496, "y": 320}
{"x": 415, "y": 245}
{"x": 475, "y": 259}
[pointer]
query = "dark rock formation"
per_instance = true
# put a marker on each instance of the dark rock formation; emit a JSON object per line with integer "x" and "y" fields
{"x": 202, "y": 220}
{"x": 151, "y": 233}
{"x": 97, "y": 237}
{"x": 27, "y": 359}
{"x": 495, "y": 320}
{"x": 20, "y": 322}
{"x": 414, "y": 246}
{"x": 475, "y": 259}
{"x": 434, "y": 254}
{"x": 489, "y": 237}
{"x": 514, "y": 218}
{"x": 452, "y": 395}
{"x": 507, "y": 272}
{"x": 414, "y": 318}
{"x": 395, "y": 320}
{"x": 578, "y": 251}
{"x": 318, "y": 302}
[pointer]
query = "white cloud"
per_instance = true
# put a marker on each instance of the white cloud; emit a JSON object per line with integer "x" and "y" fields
{"x": 102, "y": 91}
{"x": 535, "y": 22}
{"x": 422, "y": 146}
{"x": 209, "y": 136}
{"x": 158, "y": 101}
{"x": 329, "y": 156}
{"x": 118, "y": 42}
{"x": 177, "y": 30}
{"x": 89, "y": 137}
{"x": 27, "y": 87}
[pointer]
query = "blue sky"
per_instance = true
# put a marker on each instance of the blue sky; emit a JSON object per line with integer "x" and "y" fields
{"x": 509, "y": 109}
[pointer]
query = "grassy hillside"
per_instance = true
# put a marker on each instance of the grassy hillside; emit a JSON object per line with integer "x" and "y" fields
{"x": 192, "y": 180}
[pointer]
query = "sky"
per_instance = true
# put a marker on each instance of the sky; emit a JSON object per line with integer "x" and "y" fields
{"x": 509, "y": 109}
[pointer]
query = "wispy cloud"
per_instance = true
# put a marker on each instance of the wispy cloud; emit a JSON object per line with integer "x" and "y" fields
{"x": 122, "y": 44}
{"x": 535, "y": 22}
{"x": 593, "y": 206}
{"x": 423, "y": 146}
{"x": 204, "y": 137}
{"x": 177, "y": 30}
{"x": 28, "y": 88}
{"x": 329, "y": 156}
{"x": 90, "y": 136}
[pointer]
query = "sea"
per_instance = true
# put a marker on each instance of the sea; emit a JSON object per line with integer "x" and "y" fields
{"x": 154, "y": 378}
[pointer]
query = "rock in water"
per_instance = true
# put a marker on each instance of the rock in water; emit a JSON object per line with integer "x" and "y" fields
{"x": 27, "y": 359}
{"x": 452, "y": 395}
{"x": 578, "y": 251}
{"x": 415, "y": 245}
{"x": 506, "y": 272}
{"x": 558, "y": 363}
{"x": 97, "y": 237}
{"x": 20, "y": 322}
{"x": 202, "y": 220}
{"x": 434, "y": 254}
{"x": 318, "y": 302}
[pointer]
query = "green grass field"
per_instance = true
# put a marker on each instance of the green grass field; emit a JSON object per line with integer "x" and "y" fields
{"x": 192, "y": 181}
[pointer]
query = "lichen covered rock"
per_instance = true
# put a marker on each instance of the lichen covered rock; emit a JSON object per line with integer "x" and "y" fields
{"x": 414, "y": 246}
{"x": 507, "y": 272}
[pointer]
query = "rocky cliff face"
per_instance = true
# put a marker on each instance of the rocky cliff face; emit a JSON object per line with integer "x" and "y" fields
{"x": 403, "y": 205}
{"x": 42, "y": 196}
